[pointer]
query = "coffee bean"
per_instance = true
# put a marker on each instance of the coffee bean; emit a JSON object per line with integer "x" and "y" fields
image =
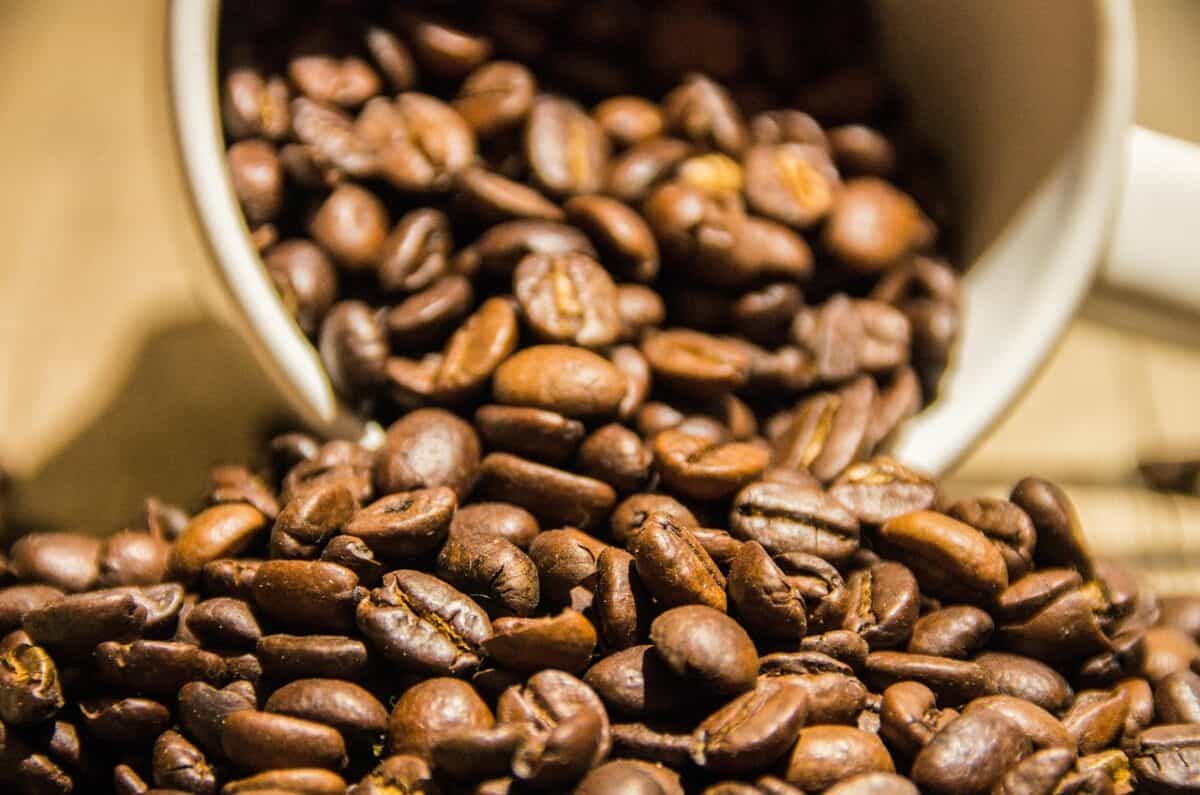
{"x": 565, "y": 559}
{"x": 566, "y": 150}
{"x": 204, "y": 708}
{"x": 302, "y": 656}
{"x": 874, "y": 784}
{"x": 1043, "y": 729}
{"x": 266, "y": 741}
{"x": 427, "y": 317}
{"x": 629, "y": 120}
{"x": 790, "y": 182}
{"x": 338, "y": 81}
{"x": 666, "y": 744}
{"x": 824, "y": 755}
{"x": 882, "y": 489}
{"x": 178, "y": 764}
{"x": 503, "y": 578}
{"x": 615, "y": 455}
{"x": 630, "y": 777}
{"x": 309, "y": 520}
{"x": 496, "y": 198}
{"x": 425, "y": 449}
{"x": 571, "y": 381}
{"x": 424, "y": 625}
{"x": 763, "y": 599}
{"x": 416, "y": 252}
{"x": 565, "y": 641}
{"x": 702, "y": 111}
{"x": 909, "y": 717}
{"x": 75, "y": 624}
{"x": 397, "y": 773}
{"x": 622, "y": 607}
{"x": 749, "y": 733}
{"x": 1024, "y": 677}
{"x": 551, "y": 701}
{"x": 225, "y": 623}
{"x": 568, "y": 298}
{"x": 1040, "y": 772}
{"x": 695, "y": 363}
{"x": 884, "y": 602}
{"x": 953, "y": 681}
{"x": 622, "y": 236}
{"x": 948, "y": 557}
{"x": 405, "y": 525}
{"x": 315, "y": 594}
{"x": 345, "y": 706}
{"x": 159, "y": 667}
{"x": 67, "y": 561}
{"x": 1177, "y": 698}
{"x": 535, "y": 433}
{"x": 505, "y": 245}
{"x": 1165, "y": 757}
{"x": 634, "y": 173}
{"x": 496, "y": 97}
{"x": 125, "y": 722}
{"x": 502, "y": 519}
{"x": 633, "y": 511}
{"x": 970, "y": 754}
{"x": 872, "y": 225}
{"x": 958, "y": 631}
{"x": 17, "y": 600}
{"x": 30, "y": 690}
{"x": 674, "y": 567}
{"x": 1096, "y": 718}
{"x": 306, "y": 780}
{"x": 785, "y": 518}
{"x": 554, "y": 496}
{"x": 685, "y": 637}
{"x": 230, "y": 577}
{"x": 636, "y": 683}
{"x": 253, "y": 105}
{"x": 1059, "y": 538}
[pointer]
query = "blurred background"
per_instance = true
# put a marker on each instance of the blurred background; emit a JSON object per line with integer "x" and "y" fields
{"x": 115, "y": 382}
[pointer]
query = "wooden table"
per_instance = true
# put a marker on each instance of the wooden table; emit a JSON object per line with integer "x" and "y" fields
{"x": 114, "y": 384}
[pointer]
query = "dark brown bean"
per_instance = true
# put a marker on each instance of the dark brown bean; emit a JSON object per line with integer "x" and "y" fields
{"x": 496, "y": 97}
{"x": 267, "y": 741}
{"x": 554, "y": 496}
{"x": 568, "y": 298}
{"x": 824, "y": 755}
{"x": 673, "y": 566}
{"x": 785, "y": 518}
{"x": 567, "y": 151}
{"x": 67, "y": 561}
{"x": 686, "y": 639}
{"x": 528, "y": 645}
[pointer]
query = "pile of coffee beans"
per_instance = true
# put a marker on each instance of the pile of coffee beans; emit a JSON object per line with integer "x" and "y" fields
{"x": 421, "y": 620}
{"x": 687, "y": 211}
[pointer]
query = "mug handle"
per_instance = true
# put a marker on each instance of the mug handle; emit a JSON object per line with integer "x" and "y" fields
{"x": 1155, "y": 249}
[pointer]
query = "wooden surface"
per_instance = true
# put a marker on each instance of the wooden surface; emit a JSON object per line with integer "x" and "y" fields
{"x": 114, "y": 384}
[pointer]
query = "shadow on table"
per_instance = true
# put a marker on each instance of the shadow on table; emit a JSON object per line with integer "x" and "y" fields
{"x": 193, "y": 397}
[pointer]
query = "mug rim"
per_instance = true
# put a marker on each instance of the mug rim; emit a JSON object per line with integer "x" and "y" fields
{"x": 933, "y": 441}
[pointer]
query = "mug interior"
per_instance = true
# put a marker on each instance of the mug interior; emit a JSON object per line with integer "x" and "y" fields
{"x": 1027, "y": 100}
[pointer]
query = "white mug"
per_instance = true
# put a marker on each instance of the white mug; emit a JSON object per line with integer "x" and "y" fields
{"x": 1030, "y": 101}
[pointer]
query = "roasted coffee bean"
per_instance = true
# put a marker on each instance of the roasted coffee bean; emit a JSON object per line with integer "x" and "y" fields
{"x": 345, "y": 706}
{"x": 230, "y": 577}
{"x": 622, "y": 607}
{"x": 1096, "y": 718}
{"x": 673, "y": 566}
{"x": 503, "y": 246}
{"x": 218, "y": 532}
{"x": 970, "y": 754}
{"x": 502, "y": 519}
{"x": 763, "y": 599}
{"x": 177, "y": 764}
{"x": 630, "y": 777}
{"x": 266, "y": 741}
{"x": 427, "y": 317}
{"x": 954, "y": 682}
{"x": 909, "y": 717}
{"x": 424, "y": 625}
{"x": 785, "y": 518}
{"x": 686, "y": 637}
{"x": 882, "y": 489}
{"x": 790, "y": 182}
{"x": 305, "y": 780}
{"x": 75, "y": 624}
{"x": 615, "y": 455}
{"x": 749, "y": 733}
{"x": 568, "y": 298}
{"x": 824, "y": 755}
{"x": 828, "y": 432}
{"x": 764, "y": 315}
{"x": 1027, "y": 678}
{"x": 434, "y": 709}
{"x": 257, "y": 179}
{"x": 301, "y": 656}
{"x": 1060, "y": 540}
{"x": 416, "y": 252}
{"x": 442, "y": 48}
{"x": 633, "y": 511}
{"x": 840, "y": 644}
{"x": 567, "y": 151}
{"x": 159, "y": 667}
{"x": 126, "y": 722}
{"x": 697, "y": 364}
{"x": 551, "y": 704}
{"x": 703, "y": 112}
{"x": 1008, "y": 527}
{"x": 1042, "y": 728}
{"x": 253, "y": 105}
{"x": 405, "y": 525}
{"x": 534, "y": 433}
{"x": 622, "y": 237}
{"x": 310, "y": 519}
{"x": 398, "y": 773}
{"x": 129, "y": 558}
{"x": 30, "y": 689}
{"x": 126, "y": 781}
{"x": 958, "y": 631}
{"x": 703, "y": 469}
{"x": 636, "y": 683}
{"x": 17, "y": 600}
{"x": 67, "y": 561}
{"x": 1040, "y": 773}
{"x": 949, "y": 558}
{"x": 629, "y": 120}
{"x": 326, "y": 78}
{"x": 496, "y": 97}
{"x": 664, "y": 743}
{"x": 503, "y": 578}
{"x": 204, "y": 708}
{"x": 554, "y": 496}
{"x": 428, "y": 448}
{"x": 1165, "y": 758}
{"x": 872, "y": 225}
{"x": 571, "y": 381}
{"x": 635, "y": 172}
{"x": 565, "y": 559}
{"x": 565, "y": 642}
{"x": 313, "y": 594}
{"x": 884, "y": 602}
{"x": 496, "y": 198}
{"x": 1177, "y": 698}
